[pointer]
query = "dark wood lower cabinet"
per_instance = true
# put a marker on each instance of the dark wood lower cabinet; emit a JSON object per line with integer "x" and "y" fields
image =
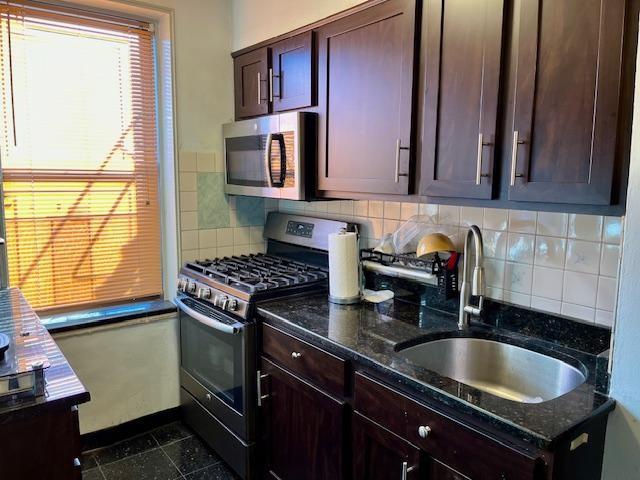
{"x": 303, "y": 427}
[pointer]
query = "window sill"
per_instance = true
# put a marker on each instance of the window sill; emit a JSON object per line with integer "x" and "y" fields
{"x": 63, "y": 322}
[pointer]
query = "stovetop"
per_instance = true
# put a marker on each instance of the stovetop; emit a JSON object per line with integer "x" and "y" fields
{"x": 259, "y": 272}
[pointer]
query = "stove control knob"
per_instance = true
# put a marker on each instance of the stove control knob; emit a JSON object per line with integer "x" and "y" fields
{"x": 223, "y": 301}
{"x": 191, "y": 287}
{"x": 182, "y": 284}
{"x": 233, "y": 305}
{"x": 204, "y": 293}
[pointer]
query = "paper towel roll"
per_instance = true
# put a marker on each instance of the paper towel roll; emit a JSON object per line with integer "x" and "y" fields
{"x": 344, "y": 274}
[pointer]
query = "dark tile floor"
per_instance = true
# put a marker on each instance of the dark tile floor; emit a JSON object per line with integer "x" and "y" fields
{"x": 166, "y": 453}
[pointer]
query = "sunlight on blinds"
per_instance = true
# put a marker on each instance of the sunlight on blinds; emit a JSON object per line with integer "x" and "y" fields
{"x": 81, "y": 180}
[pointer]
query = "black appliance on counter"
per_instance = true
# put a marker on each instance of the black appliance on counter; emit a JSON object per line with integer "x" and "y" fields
{"x": 216, "y": 300}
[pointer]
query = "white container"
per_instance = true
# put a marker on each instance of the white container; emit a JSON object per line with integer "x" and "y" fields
{"x": 344, "y": 268}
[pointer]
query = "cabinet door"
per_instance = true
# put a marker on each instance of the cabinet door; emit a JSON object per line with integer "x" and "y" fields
{"x": 365, "y": 72}
{"x": 565, "y": 107}
{"x": 304, "y": 428}
{"x": 379, "y": 454}
{"x": 292, "y": 74}
{"x": 251, "y": 85}
{"x": 463, "y": 42}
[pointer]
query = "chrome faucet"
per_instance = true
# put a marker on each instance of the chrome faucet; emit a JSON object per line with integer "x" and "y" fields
{"x": 477, "y": 283}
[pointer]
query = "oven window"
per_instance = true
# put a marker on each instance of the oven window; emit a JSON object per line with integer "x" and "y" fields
{"x": 214, "y": 359}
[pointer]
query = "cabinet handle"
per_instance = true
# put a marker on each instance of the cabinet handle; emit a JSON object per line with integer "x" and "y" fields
{"x": 259, "y": 378}
{"x": 296, "y": 354}
{"x": 481, "y": 145}
{"x": 406, "y": 469}
{"x": 424, "y": 431}
{"x": 259, "y": 88}
{"x": 397, "y": 171}
{"x": 514, "y": 158}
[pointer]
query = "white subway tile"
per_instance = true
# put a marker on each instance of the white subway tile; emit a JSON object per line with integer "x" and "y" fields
{"x": 604, "y": 318}
{"x": 224, "y": 237}
{"x": 522, "y": 221}
{"x": 189, "y": 220}
{"x": 583, "y": 256}
{"x": 518, "y": 278}
{"x": 612, "y": 230}
{"x": 207, "y": 253}
{"x": 408, "y": 210}
{"x": 188, "y": 162}
{"x": 552, "y": 224}
{"x": 546, "y": 304}
{"x": 225, "y": 251}
{"x": 188, "y": 201}
{"x": 520, "y": 248}
{"x": 241, "y": 236}
{"x": 346, "y": 207}
{"x": 547, "y": 283}
{"x": 256, "y": 234}
{"x": 495, "y": 244}
{"x": 607, "y": 288}
{"x": 494, "y": 272}
{"x": 361, "y": 208}
{"x": 448, "y": 215}
{"x": 517, "y": 298}
{"x": 495, "y": 219}
{"x": 578, "y": 311}
{"x": 494, "y": 293}
{"x": 188, "y": 181}
{"x": 206, "y": 162}
{"x": 376, "y": 208}
{"x": 580, "y": 288}
{"x": 585, "y": 227}
{"x": 189, "y": 240}
{"x": 429, "y": 209}
{"x": 392, "y": 210}
{"x": 610, "y": 260}
{"x": 471, "y": 216}
{"x": 390, "y": 226}
{"x": 207, "y": 238}
{"x": 189, "y": 255}
{"x": 550, "y": 252}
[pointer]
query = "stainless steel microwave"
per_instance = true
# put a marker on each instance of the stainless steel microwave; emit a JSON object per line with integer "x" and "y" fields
{"x": 270, "y": 156}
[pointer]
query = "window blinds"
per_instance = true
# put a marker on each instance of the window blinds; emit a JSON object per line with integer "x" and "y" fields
{"x": 79, "y": 159}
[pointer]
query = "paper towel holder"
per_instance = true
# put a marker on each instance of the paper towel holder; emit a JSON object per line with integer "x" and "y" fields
{"x": 353, "y": 228}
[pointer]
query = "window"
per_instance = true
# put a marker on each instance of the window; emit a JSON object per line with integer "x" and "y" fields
{"x": 79, "y": 157}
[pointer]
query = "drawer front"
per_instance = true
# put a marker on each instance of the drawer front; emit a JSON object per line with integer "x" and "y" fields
{"x": 324, "y": 369}
{"x": 443, "y": 438}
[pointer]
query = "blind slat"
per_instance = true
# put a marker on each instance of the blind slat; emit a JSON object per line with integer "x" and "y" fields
{"x": 81, "y": 182}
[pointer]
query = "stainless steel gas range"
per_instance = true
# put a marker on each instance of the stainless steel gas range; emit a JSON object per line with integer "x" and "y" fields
{"x": 218, "y": 359}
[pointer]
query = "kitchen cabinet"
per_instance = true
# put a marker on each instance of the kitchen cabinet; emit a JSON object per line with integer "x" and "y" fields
{"x": 463, "y": 45}
{"x": 292, "y": 76}
{"x": 377, "y": 452}
{"x": 365, "y": 93}
{"x": 303, "y": 428}
{"x": 251, "y": 85}
{"x": 275, "y": 78}
{"x": 567, "y": 61}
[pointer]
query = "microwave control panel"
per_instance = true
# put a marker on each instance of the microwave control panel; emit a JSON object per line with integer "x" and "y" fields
{"x": 300, "y": 229}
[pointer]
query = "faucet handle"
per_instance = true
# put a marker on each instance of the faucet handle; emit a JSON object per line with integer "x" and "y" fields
{"x": 478, "y": 282}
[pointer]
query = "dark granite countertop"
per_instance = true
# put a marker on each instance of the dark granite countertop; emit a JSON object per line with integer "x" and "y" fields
{"x": 369, "y": 334}
{"x": 62, "y": 386}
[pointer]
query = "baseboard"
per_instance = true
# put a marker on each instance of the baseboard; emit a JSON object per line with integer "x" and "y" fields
{"x": 111, "y": 435}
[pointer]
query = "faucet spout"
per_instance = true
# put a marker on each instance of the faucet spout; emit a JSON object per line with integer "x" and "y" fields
{"x": 476, "y": 287}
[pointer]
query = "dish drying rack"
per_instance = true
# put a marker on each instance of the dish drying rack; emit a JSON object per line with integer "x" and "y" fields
{"x": 408, "y": 266}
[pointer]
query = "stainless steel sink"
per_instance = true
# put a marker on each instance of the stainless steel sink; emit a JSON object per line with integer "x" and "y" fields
{"x": 498, "y": 368}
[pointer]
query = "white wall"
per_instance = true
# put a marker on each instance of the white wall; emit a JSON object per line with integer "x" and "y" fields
{"x": 622, "y": 452}
{"x": 130, "y": 369}
{"x": 257, "y": 20}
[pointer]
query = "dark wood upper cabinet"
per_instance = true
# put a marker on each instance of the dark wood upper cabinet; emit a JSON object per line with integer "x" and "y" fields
{"x": 379, "y": 453}
{"x": 303, "y": 428}
{"x": 251, "y": 83}
{"x": 292, "y": 73}
{"x": 365, "y": 90}
{"x": 463, "y": 44}
{"x": 565, "y": 101}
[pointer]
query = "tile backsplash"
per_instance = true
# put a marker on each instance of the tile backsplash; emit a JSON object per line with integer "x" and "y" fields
{"x": 213, "y": 224}
{"x": 555, "y": 262}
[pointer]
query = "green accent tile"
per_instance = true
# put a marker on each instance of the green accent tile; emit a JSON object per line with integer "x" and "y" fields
{"x": 249, "y": 211}
{"x": 213, "y": 209}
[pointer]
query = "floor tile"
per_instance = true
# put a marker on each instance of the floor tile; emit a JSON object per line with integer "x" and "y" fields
{"x": 219, "y": 471}
{"x": 92, "y": 474}
{"x": 88, "y": 461}
{"x": 150, "y": 465}
{"x": 190, "y": 454}
{"x": 171, "y": 432}
{"x": 126, "y": 448}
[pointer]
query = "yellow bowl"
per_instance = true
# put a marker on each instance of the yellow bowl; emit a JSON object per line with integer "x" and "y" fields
{"x": 434, "y": 242}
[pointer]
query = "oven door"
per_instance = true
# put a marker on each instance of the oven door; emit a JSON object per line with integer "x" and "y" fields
{"x": 263, "y": 157}
{"x": 217, "y": 358}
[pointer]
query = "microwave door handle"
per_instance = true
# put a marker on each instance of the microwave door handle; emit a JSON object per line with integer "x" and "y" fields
{"x": 267, "y": 159}
{"x": 210, "y": 322}
{"x": 283, "y": 160}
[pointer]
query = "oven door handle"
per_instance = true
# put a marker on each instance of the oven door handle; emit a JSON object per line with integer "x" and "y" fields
{"x": 210, "y": 322}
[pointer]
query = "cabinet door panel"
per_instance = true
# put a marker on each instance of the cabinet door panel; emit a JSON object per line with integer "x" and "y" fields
{"x": 365, "y": 99}
{"x": 567, "y": 86}
{"x": 462, "y": 73}
{"x": 379, "y": 454}
{"x": 292, "y": 81}
{"x": 304, "y": 428}
{"x": 251, "y": 84}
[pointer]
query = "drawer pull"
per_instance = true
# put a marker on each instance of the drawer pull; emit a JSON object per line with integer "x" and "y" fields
{"x": 424, "y": 431}
{"x": 406, "y": 469}
{"x": 208, "y": 396}
{"x": 296, "y": 354}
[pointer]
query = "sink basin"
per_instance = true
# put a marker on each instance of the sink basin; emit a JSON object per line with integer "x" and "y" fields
{"x": 504, "y": 370}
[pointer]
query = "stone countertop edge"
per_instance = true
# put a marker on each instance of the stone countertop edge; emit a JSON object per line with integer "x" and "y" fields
{"x": 63, "y": 388}
{"x": 540, "y": 425}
